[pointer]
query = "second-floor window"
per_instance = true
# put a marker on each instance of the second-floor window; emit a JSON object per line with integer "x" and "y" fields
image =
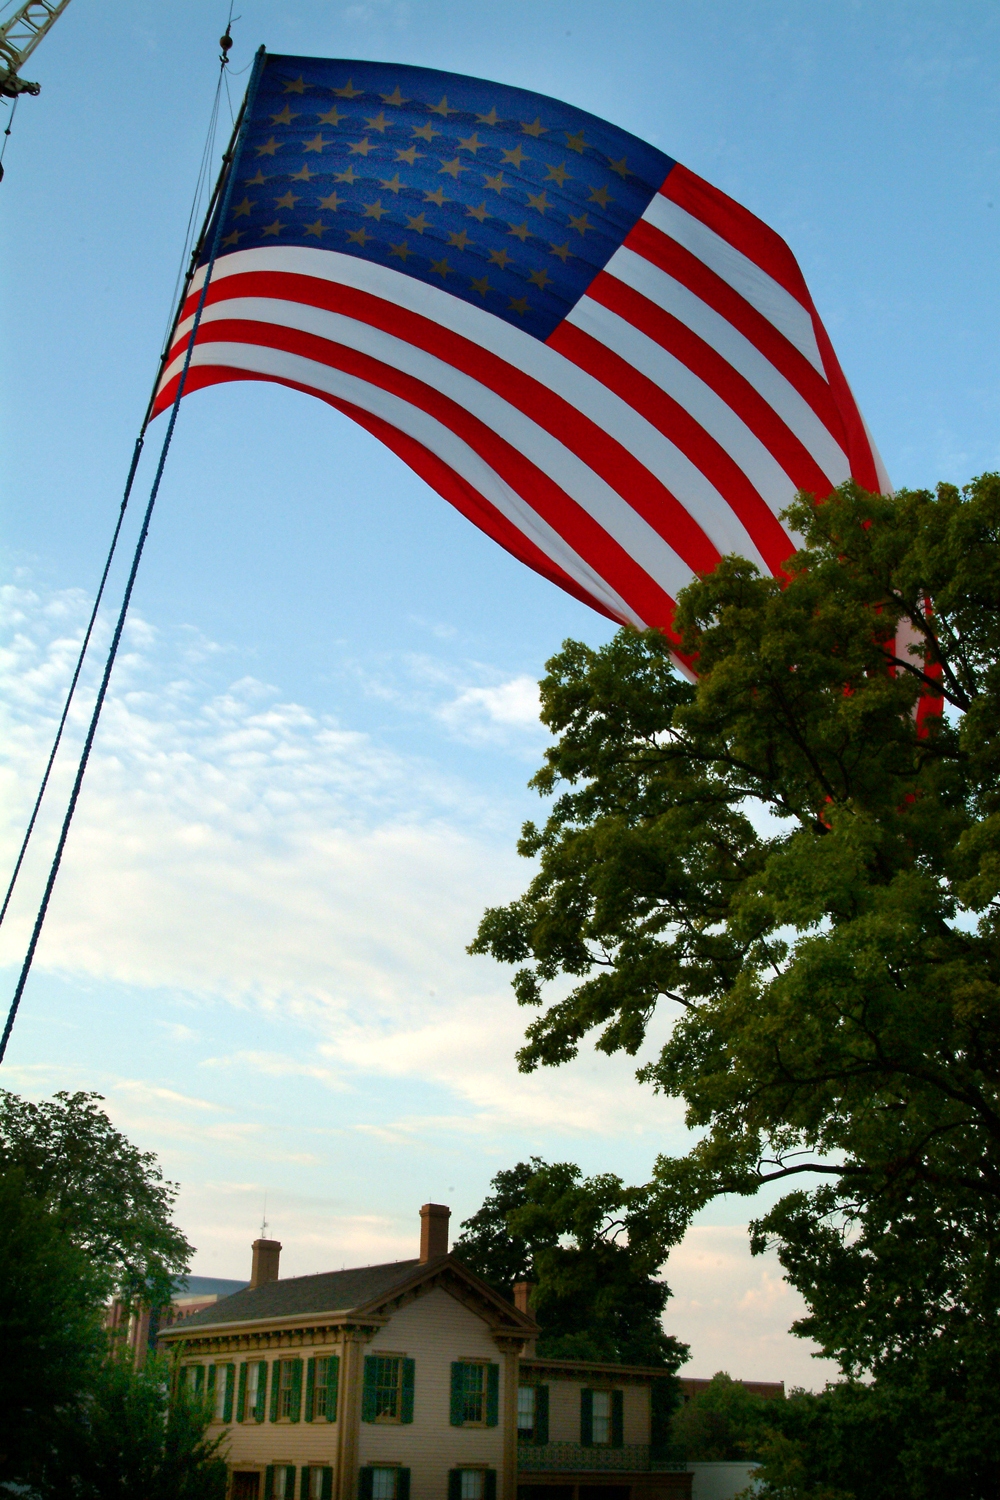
{"x": 321, "y": 1391}
{"x": 601, "y": 1417}
{"x": 388, "y": 1389}
{"x": 219, "y": 1393}
{"x": 474, "y": 1393}
{"x": 286, "y": 1388}
{"x": 255, "y": 1371}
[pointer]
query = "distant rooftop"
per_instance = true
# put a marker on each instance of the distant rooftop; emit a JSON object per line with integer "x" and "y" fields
{"x": 207, "y": 1286}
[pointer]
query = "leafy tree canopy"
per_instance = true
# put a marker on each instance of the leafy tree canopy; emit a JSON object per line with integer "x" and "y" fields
{"x": 50, "y": 1329}
{"x": 596, "y": 1295}
{"x": 133, "y": 1438}
{"x": 723, "y": 1422}
{"x": 811, "y": 879}
{"x": 109, "y": 1198}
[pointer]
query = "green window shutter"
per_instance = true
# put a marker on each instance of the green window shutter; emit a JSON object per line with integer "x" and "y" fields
{"x": 368, "y": 1399}
{"x": 454, "y": 1484}
{"x": 541, "y": 1413}
{"x": 199, "y": 1379}
{"x": 227, "y": 1409}
{"x": 210, "y": 1384}
{"x": 457, "y": 1394}
{"x": 332, "y": 1385}
{"x": 261, "y": 1406}
{"x": 587, "y": 1418}
{"x": 310, "y": 1392}
{"x": 327, "y": 1480}
{"x": 403, "y": 1485}
{"x": 241, "y": 1398}
{"x": 406, "y": 1404}
{"x": 492, "y": 1395}
{"x": 269, "y": 1482}
{"x": 304, "y": 1483}
{"x": 275, "y": 1387}
{"x": 296, "y": 1410}
{"x": 617, "y": 1419}
{"x": 490, "y": 1487}
{"x": 366, "y": 1479}
{"x": 290, "y": 1481}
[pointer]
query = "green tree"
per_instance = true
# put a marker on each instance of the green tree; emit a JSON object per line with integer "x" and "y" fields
{"x": 131, "y": 1438}
{"x": 723, "y": 1422}
{"x": 50, "y": 1329}
{"x": 810, "y": 875}
{"x": 109, "y": 1198}
{"x": 586, "y": 1249}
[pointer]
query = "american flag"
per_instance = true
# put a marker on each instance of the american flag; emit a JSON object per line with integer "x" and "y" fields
{"x": 613, "y": 369}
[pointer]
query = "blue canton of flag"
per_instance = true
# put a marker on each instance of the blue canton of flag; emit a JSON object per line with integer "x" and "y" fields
{"x": 509, "y": 199}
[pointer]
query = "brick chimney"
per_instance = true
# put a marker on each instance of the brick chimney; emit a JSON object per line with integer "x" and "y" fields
{"x": 265, "y": 1262}
{"x": 433, "y": 1231}
{"x": 522, "y": 1296}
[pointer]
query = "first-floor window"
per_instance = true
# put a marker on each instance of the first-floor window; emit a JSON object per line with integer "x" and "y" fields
{"x": 385, "y": 1483}
{"x": 526, "y": 1402}
{"x": 472, "y": 1484}
{"x": 601, "y": 1417}
{"x": 284, "y": 1486}
{"x": 315, "y": 1484}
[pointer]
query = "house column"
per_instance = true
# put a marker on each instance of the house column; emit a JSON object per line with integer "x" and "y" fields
{"x": 348, "y": 1417}
{"x": 510, "y": 1348}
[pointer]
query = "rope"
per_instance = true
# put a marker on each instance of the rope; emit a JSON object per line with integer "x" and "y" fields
{"x": 206, "y": 156}
{"x": 76, "y": 677}
{"x": 140, "y": 544}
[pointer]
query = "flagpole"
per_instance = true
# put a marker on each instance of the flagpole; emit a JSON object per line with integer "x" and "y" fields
{"x": 221, "y": 198}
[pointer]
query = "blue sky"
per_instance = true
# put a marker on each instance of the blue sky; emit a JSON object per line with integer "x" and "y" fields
{"x": 310, "y": 777}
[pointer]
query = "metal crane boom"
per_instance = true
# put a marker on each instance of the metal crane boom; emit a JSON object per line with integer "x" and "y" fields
{"x": 18, "y": 39}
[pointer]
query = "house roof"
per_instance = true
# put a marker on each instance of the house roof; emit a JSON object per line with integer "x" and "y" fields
{"x": 361, "y": 1289}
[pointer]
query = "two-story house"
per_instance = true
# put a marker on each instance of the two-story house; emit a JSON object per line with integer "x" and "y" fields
{"x": 412, "y": 1381}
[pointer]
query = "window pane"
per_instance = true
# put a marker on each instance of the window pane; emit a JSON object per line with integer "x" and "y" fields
{"x": 475, "y": 1393}
{"x": 602, "y": 1417}
{"x": 388, "y": 1380}
{"x": 384, "y": 1483}
{"x": 220, "y": 1391}
{"x": 315, "y": 1484}
{"x": 319, "y": 1388}
{"x": 280, "y": 1475}
{"x": 253, "y": 1376}
{"x": 472, "y": 1485}
{"x": 526, "y": 1408}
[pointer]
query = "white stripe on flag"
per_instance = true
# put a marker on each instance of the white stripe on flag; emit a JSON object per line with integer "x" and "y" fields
{"x": 593, "y": 496}
{"x": 742, "y": 274}
{"x": 737, "y": 350}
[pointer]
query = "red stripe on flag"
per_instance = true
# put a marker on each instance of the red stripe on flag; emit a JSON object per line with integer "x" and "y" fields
{"x": 569, "y": 520}
{"x": 658, "y": 248}
{"x": 716, "y": 371}
{"x": 743, "y": 230}
{"x": 676, "y": 423}
{"x": 650, "y": 498}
